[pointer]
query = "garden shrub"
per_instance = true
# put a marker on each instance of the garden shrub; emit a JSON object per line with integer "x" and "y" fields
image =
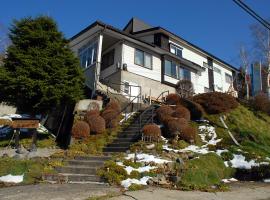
{"x": 181, "y": 112}
{"x": 80, "y": 130}
{"x": 135, "y": 165}
{"x": 90, "y": 113}
{"x": 135, "y": 174}
{"x": 195, "y": 109}
{"x": 173, "y": 99}
{"x": 113, "y": 173}
{"x": 114, "y": 105}
{"x": 97, "y": 124}
{"x": 174, "y": 126}
{"x": 163, "y": 112}
{"x": 261, "y": 103}
{"x": 135, "y": 187}
{"x": 216, "y": 102}
{"x": 153, "y": 131}
{"x": 188, "y": 133}
{"x": 111, "y": 118}
{"x": 226, "y": 155}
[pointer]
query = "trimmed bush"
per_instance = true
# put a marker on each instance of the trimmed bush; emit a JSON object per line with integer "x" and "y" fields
{"x": 114, "y": 105}
{"x": 90, "y": 113}
{"x": 174, "y": 126}
{"x": 261, "y": 103}
{"x": 173, "y": 99}
{"x": 153, "y": 131}
{"x": 164, "y": 112}
{"x": 80, "y": 130}
{"x": 216, "y": 102}
{"x": 97, "y": 124}
{"x": 195, "y": 109}
{"x": 111, "y": 118}
{"x": 188, "y": 134}
{"x": 181, "y": 112}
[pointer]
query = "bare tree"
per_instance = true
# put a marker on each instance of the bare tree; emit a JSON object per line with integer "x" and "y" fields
{"x": 185, "y": 88}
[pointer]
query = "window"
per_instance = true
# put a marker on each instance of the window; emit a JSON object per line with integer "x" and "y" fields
{"x": 228, "y": 78}
{"x": 88, "y": 55}
{"x": 217, "y": 70}
{"x": 170, "y": 69}
{"x": 107, "y": 59}
{"x": 143, "y": 59}
{"x": 176, "y": 50}
{"x": 184, "y": 74}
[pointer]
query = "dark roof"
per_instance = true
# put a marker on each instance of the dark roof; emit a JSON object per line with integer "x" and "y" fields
{"x": 200, "y": 49}
{"x": 144, "y": 31}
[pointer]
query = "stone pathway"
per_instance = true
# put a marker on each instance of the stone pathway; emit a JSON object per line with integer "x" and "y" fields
{"x": 239, "y": 191}
{"x": 55, "y": 192}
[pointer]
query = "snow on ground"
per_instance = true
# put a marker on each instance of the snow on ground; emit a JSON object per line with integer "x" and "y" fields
{"x": 230, "y": 180}
{"x": 128, "y": 182}
{"x": 146, "y": 158}
{"x": 129, "y": 169}
{"x": 12, "y": 179}
{"x": 220, "y": 151}
{"x": 239, "y": 161}
{"x": 266, "y": 180}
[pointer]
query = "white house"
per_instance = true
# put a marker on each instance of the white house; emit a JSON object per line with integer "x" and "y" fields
{"x": 146, "y": 60}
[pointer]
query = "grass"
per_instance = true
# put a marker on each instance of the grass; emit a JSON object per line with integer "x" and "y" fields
{"x": 251, "y": 130}
{"x": 203, "y": 172}
{"x": 32, "y": 169}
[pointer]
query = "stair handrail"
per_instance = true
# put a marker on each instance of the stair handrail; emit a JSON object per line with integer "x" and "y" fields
{"x": 150, "y": 119}
{"x": 162, "y": 95}
{"x": 124, "y": 110}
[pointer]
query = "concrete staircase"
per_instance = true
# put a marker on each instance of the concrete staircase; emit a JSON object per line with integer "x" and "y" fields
{"x": 83, "y": 169}
{"x": 79, "y": 170}
{"x": 129, "y": 135}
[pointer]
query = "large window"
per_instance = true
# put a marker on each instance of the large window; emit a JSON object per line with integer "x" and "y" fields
{"x": 176, "y": 50}
{"x": 107, "y": 59}
{"x": 228, "y": 78}
{"x": 176, "y": 71}
{"x": 143, "y": 59}
{"x": 88, "y": 55}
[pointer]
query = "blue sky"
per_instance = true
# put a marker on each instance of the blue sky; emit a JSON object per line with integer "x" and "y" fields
{"x": 218, "y": 26}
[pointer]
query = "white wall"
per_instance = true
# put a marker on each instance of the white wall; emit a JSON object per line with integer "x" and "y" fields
{"x": 225, "y": 85}
{"x": 128, "y": 58}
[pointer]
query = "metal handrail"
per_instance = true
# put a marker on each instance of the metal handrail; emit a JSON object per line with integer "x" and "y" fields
{"x": 162, "y": 94}
{"x": 150, "y": 119}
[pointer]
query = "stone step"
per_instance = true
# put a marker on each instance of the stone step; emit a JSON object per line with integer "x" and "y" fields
{"x": 90, "y": 163}
{"x": 122, "y": 139}
{"x": 70, "y": 169}
{"x": 93, "y": 158}
{"x": 115, "y": 149}
{"x": 82, "y": 178}
{"x": 120, "y": 144}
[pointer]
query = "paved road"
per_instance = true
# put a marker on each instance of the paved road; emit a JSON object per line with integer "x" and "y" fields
{"x": 55, "y": 192}
{"x": 239, "y": 191}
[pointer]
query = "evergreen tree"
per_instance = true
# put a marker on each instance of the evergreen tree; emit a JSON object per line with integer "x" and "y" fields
{"x": 40, "y": 71}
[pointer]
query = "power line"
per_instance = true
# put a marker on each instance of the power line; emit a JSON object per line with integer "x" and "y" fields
{"x": 251, "y": 12}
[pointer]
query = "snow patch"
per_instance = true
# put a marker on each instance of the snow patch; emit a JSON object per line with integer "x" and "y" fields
{"x": 147, "y": 158}
{"x": 128, "y": 182}
{"x": 12, "y": 179}
{"x": 229, "y": 180}
{"x": 129, "y": 169}
{"x": 266, "y": 180}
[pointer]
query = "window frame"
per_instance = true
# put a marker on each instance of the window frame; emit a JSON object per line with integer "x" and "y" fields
{"x": 176, "y": 48}
{"x": 231, "y": 78}
{"x": 86, "y": 49}
{"x": 143, "y": 61}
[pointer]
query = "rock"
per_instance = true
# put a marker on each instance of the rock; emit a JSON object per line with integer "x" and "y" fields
{"x": 150, "y": 146}
{"x": 175, "y": 179}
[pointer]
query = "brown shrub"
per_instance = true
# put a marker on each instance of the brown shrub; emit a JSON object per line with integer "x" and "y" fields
{"x": 97, "y": 124}
{"x": 216, "y": 102}
{"x": 153, "y": 131}
{"x": 195, "y": 109}
{"x": 114, "y": 105}
{"x": 188, "y": 134}
{"x": 91, "y": 113}
{"x": 174, "y": 126}
{"x": 172, "y": 99}
{"x": 261, "y": 103}
{"x": 181, "y": 112}
{"x": 111, "y": 118}
{"x": 80, "y": 130}
{"x": 164, "y": 112}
